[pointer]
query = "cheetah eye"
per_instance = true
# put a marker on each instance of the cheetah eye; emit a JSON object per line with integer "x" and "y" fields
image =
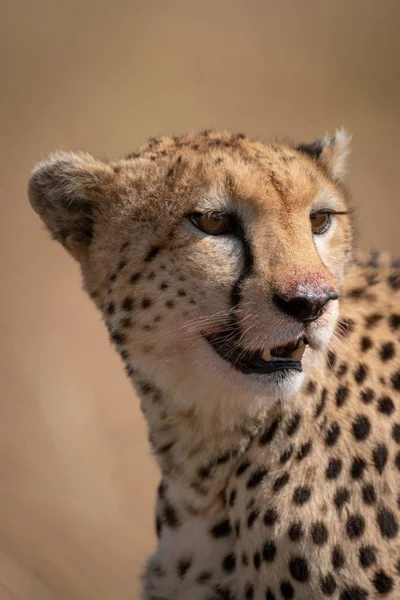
{"x": 212, "y": 223}
{"x": 320, "y": 222}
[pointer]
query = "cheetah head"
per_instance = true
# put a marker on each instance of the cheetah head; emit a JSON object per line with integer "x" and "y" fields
{"x": 217, "y": 261}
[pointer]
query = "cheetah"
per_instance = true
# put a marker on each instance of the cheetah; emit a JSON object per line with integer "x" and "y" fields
{"x": 264, "y": 350}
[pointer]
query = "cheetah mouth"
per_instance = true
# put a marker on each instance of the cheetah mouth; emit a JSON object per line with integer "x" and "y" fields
{"x": 263, "y": 361}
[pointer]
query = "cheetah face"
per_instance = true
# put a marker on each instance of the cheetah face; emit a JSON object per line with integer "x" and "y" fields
{"x": 217, "y": 261}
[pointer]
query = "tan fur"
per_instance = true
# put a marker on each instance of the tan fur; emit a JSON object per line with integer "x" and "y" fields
{"x": 162, "y": 285}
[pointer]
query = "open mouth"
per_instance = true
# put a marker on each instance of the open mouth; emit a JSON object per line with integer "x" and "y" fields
{"x": 264, "y": 361}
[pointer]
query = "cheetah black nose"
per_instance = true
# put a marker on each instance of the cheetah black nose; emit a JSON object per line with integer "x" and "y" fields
{"x": 307, "y": 307}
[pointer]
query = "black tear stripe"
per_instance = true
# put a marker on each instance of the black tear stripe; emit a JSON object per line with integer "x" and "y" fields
{"x": 236, "y": 294}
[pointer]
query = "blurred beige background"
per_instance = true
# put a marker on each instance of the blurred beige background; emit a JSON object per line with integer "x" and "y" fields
{"x": 76, "y": 479}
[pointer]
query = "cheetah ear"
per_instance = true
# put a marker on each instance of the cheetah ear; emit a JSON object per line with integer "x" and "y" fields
{"x": 67, "y": 191}
{"x": 331, "y": 153}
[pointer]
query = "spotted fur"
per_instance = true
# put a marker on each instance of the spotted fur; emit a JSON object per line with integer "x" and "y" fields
{"x": 271, "y": 489}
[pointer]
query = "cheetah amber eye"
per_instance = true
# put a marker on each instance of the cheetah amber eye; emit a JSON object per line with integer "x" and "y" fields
{"x": 213, "y": 223}
{"x": 320, "y": 222}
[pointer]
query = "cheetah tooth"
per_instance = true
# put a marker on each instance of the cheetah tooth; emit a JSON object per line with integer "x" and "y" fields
{"x": 266, "y": 355}
{"x": 298, "y": 353}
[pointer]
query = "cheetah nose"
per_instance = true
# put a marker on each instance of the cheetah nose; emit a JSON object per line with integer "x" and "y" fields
{"x": 307, "y": 307}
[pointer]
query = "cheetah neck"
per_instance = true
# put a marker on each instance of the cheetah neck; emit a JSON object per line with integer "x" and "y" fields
{"x": 196, "y": 458}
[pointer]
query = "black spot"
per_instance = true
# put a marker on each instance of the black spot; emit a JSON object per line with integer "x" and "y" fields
{"x": 367, "y": 556}
{"x": 146, "y": 303}
{"x": 358, "y": 467}
{"x": 379, "y": 457}
{"x": 145, "y": 387}
{"x": 203, "y": 577}
{"x": 229, "y": 563}
{"x": 252, "y": 517}
{"x": 163, "y": 286}
{"x": 183, "y": 567}
{"x": 126, "y": 322}
{"x": 245, "y": 559}
{"x": 181, "y": 293}
{"x": 355, "y": 526}
{"x": 395, "y": 380}
{"x": 396, "y": 433}
{"x": 334, "y": 468}
{"x": 127, "y": 304}
{"x": 319, "y": 533}
{"x": 385, "y": 405}
{"x": 394, "y": 280}
{"x": 169, "y": 304}
{"x": 269, "y": 551}
{"x": 394, "y": 321}
{"x": 286, "y": 455}
{"x": 366, "y": 343}
{"x": 270, "y": 516}
{"x": 135, "y": 277}
{"x": 295, "y": 531}
{"x": 337, "y": 557}
{"x": 304, "y": 450}
{"x": 256, "y": 478}
{"x": 280, "y": 482}
{"x": 299, "y": 569}
{"x": 122, "y": 264}
{"x": 342, "y": 496}
{"x": 360, "y": 374}
{"x": 328, "y": 585}
{"x": 361, "y": 428}
{"x": 170, "y": 516}
{"x": 249, "y": 591}
{"x": 322, "y": 403}
{"x": 242, "y": 468}
{"x": 387, "y": 523}
{"x": 367, "y": 395}
{"x": 118, "y": 338}
{"x": 331, "y": 360}
{"x": 341, "y": 395}
{"x": 269, "y": 594}
{"x": 257, "y": 560}
{"x": 110, "y": 308}
{"x": 301, "y": 495}
{"x": 221, "y": 529}
{"x": 342, "y": 370}
{"x": 232, "y": 498}
{"x": 224, "y": 593}
{"x": 356, "y": 293}
{"x": 311, "y": 387}
{"x": 152, "y": 253}
{"x": 332, "y": 434}
{"x": 368, "y": 494}
{"x": 269, "y": 433}
{"x": 387, "y": 351}
{"x": 372, "y": 320}
{"x": 383, "y": 583}
{"x": 287, "y": 590}
{"x": 293, "y": 424}
{"x": 237, "y": 529}
{"x": 397, "y": 461}
{"x": 353, "y": 593}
